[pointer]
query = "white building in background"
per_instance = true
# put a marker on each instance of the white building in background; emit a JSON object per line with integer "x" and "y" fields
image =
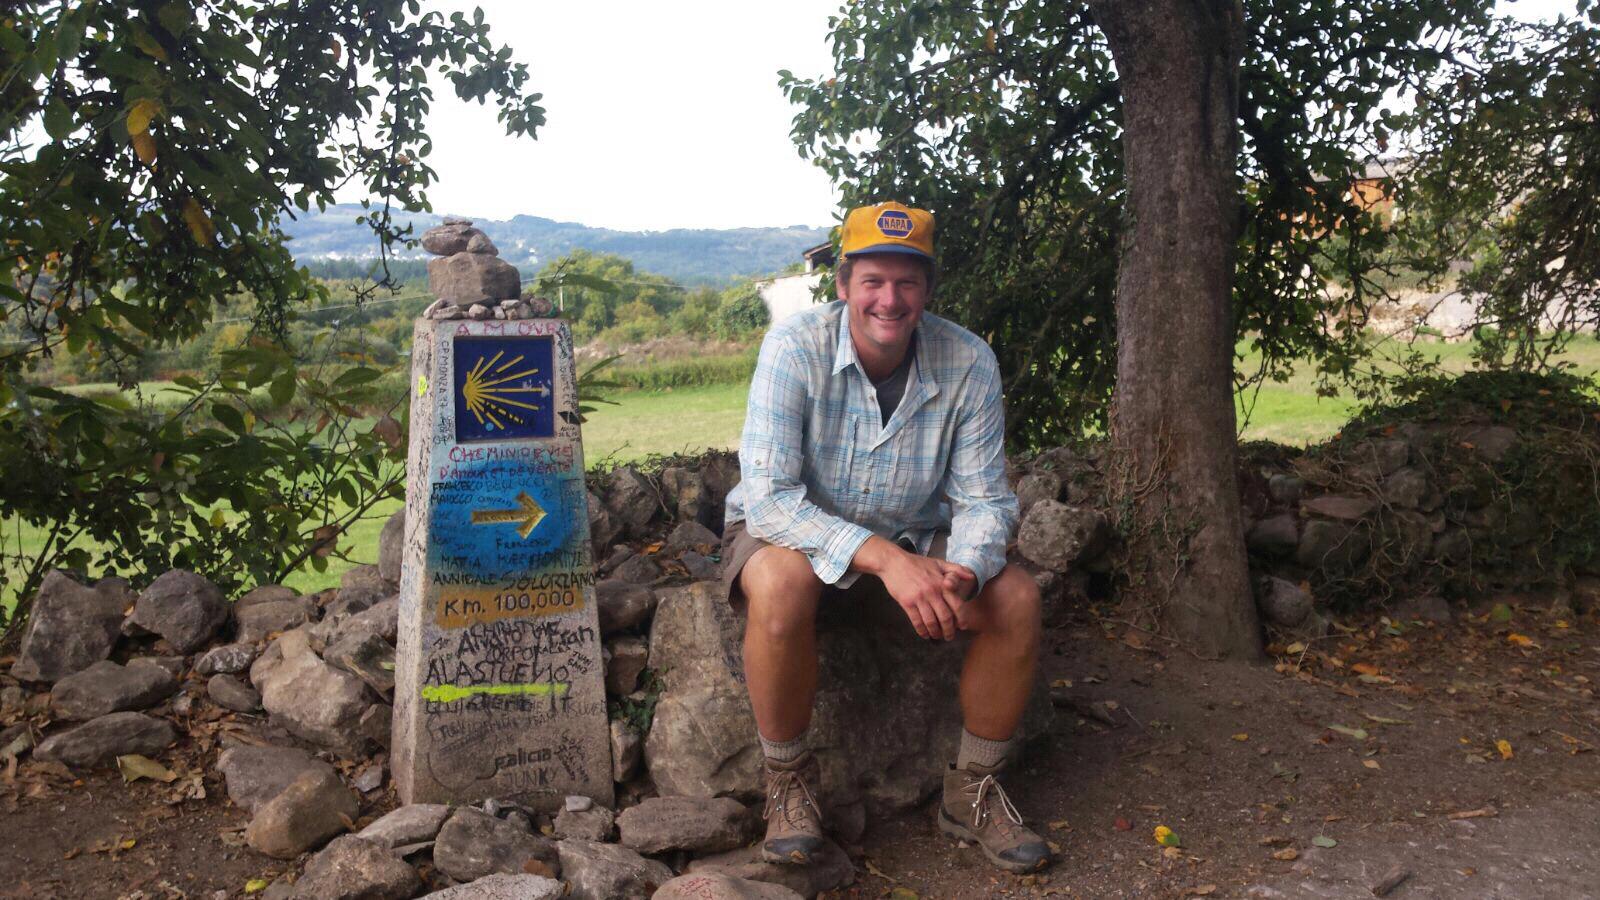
{"x": 788, "y": 294}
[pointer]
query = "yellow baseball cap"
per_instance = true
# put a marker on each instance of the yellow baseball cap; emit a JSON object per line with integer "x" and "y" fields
{"x": 888, "y": 228}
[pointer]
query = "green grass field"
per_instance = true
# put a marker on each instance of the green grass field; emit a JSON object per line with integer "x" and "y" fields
{"x": 1291, "y": 412}
{"x": 689, "y": 419}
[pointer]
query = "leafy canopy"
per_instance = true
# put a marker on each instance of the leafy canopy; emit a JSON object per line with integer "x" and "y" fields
{"x": 148, "y": 151}
{"x": 1004, "y": 118}
{"x": 1507, "y": 172}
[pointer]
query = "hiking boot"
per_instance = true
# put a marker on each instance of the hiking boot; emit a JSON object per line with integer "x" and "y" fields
{"x": 794, "y": 821}
{"x": 976, "y": 809}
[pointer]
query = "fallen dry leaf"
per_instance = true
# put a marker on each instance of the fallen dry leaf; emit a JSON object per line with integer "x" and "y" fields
{"x": 1287, "y": 854}
{"x": 1504, "y": 746}
{"x": 134, "y": 767}
{"x": 1371, "y": 764}
{"x": 1482, "y": 812}
{"x": 538, "y": 867}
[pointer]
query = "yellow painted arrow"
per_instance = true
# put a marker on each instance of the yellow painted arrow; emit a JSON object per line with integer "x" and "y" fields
{"x": 528, "y": 512}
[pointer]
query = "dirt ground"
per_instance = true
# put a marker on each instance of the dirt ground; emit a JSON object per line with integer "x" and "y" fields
{"x": 1367, "y": 756}
{"x": 1384, "y": 743}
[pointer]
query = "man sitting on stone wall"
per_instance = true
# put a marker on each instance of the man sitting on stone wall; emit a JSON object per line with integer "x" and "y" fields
{"x": 872, "y": 458}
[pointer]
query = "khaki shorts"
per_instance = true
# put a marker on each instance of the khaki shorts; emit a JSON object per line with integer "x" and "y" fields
{"x": 738, "y": 545}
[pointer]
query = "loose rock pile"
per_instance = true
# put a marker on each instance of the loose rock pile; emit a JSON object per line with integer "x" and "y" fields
{"x": 307, "y": 683}
{"x": 471, "y": 280}
{"x": 1483, "y": 485}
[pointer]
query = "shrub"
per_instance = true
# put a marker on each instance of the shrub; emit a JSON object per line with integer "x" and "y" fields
{"x": 741, "y": 313}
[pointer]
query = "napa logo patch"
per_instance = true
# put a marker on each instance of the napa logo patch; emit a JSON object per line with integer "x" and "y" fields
{"x": 894, "y": 223}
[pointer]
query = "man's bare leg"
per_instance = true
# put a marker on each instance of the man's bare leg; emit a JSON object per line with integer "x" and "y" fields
{"x": 997, "y": 674}
{"x": 780, "y": 640}
{"x": 780, "y": 664}
{"x": 995, "y": 681}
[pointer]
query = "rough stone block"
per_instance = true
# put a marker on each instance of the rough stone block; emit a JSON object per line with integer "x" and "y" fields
{"x": 870, "y": 744}
{"x": 106, "y": 687}
{"x": 499, "y": 671}
{"x": 466, "y": 279}
{"x": 71, "y": 628}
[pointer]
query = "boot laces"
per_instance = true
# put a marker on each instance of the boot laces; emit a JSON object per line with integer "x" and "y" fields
{"x": 989, "y": 789}
{"x": 789, "y": 794}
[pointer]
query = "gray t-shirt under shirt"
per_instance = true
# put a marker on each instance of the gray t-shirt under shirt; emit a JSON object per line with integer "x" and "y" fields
{"x": 893, "y": 387}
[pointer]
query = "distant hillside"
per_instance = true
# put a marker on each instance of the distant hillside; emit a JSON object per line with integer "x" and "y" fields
{"x": 688, "y": 255}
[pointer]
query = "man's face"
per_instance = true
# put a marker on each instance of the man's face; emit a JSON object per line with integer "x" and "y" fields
{"x": 886, "y": 295}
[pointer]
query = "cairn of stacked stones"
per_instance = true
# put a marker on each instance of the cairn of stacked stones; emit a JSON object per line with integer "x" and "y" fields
{"x": 471, "y": 280}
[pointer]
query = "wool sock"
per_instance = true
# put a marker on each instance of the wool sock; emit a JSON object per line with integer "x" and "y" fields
{"x": 982, "y": 751}
{"x": 783, "y": 751}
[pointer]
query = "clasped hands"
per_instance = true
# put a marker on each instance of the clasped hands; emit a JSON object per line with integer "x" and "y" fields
{"x": 932, "y": 592}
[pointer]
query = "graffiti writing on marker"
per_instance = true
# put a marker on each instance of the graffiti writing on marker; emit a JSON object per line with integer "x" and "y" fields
{"x": 448, "y": 693}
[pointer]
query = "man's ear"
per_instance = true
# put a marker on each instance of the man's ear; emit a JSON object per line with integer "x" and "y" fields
{"x": 839, "y": 288}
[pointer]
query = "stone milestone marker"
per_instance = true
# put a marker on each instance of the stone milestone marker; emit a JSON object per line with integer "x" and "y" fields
{"x": 499, "y": 678}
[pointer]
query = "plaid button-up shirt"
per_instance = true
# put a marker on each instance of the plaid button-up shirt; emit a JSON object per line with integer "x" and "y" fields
{"x": 822, "y": 471}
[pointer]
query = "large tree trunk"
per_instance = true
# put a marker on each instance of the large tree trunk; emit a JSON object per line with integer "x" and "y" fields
{"x": 1172, "y": 417}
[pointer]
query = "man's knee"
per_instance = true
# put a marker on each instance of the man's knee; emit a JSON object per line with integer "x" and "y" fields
{"x": 781, "y": 592}
{"x": 1012, "y": 604}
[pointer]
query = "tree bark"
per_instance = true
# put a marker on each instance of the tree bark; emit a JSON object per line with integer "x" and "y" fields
{"x": 1173, "y": 426}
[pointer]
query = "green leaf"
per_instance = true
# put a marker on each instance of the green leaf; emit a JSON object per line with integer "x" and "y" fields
{"x": 357, "y": 375}
{"x": 174, "y": 17}
{"x": 228, "y": 417}
{"x": 1323, "y": 840}
{"x": 282, "y": 389}
{"x": 1359, "y": 734}
{"x": 70, "y": 35}
{"x": 57, "y": 119}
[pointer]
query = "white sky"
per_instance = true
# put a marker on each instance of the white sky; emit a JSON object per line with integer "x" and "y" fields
{"x": 659, "y": 115}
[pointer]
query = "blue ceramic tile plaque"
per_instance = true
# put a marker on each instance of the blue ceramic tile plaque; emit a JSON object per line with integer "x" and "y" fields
{"x": 503, "y": 388}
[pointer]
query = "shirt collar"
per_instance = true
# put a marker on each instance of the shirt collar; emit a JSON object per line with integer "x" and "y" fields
{"x": 845, "y": 354}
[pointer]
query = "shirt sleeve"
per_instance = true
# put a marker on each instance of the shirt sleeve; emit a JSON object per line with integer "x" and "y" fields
{"x": 772, "y": 459}
{"x": 982, "y": 505}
